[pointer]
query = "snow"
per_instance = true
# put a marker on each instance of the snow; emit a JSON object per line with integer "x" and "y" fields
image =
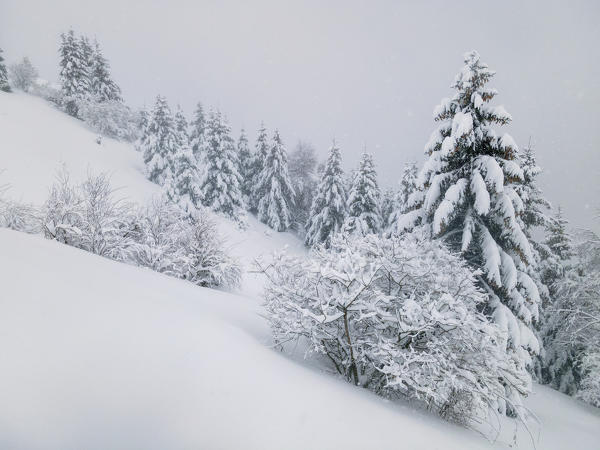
{"x": 99, "y": 354}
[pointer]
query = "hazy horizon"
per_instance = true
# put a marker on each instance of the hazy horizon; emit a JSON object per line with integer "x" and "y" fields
{"x": 349, "y": 70}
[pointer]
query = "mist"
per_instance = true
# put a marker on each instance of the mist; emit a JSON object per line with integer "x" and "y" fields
{"x": 365, "y": 73}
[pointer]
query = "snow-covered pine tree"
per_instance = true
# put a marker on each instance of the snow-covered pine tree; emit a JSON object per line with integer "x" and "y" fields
{"x": 258, "y": 161}
{"x": 408, "y": 185}
{"x": 185, "y": 180}
{"x": 245, "y": 157}
{"x": 160, "y": 144}
{"x": 220, "y": 188}
{"x": 278, "y": 194}
{"x": 22, "y": 75}
{"x": 74, "y": 74}
{"x": 468, "y": 197}
{"x": 328, "y": 211}
{"x": 103, "y": 87}
{"x": 388, "y": 207}
{"x": 302, "y": 167}
{"x": 198, "y": 126}
{"x": 4, "y": 86}
{"x": 364, "y": 214}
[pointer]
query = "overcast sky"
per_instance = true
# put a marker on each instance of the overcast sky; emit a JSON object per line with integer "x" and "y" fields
{"x": 367, "y": 73}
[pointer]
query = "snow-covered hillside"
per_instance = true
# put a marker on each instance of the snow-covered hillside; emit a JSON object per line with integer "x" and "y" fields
{"x": 99, "y": 354}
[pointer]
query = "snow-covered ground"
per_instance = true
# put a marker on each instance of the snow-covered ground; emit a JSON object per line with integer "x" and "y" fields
{"x": 98, "y": 354}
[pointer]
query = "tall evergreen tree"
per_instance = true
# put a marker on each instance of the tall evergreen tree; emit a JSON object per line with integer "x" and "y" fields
{"x": 364, "y": 214}
{"x": 4, "y": 86}
{"x": 274, "y": 182}
{"x": 560, "y": 364}
{"x": 74, "y": 74}
{"x": 468, "y": 197}
{"x": 408, "y": 185}
{"x": 161, "y": 143}
{"x": 220, "y": 188}
{"x": 103, "y": 87}
{"x": 260, "y": 155}
{"x": 198, "y": 126}
{"x": 245, "y": 158}
{"x": 302, "y": 169}
{"x": 185, "y": 180}
{"x": 328, "y": 210}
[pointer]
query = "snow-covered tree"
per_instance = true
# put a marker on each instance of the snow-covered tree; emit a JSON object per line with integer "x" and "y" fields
{"x": 183, "y": 186}
{"x": 398, "y": 316}
{"x": 113, "y": 119}
{"x": 303, "y": 175}
{"x": 364, "y": 215}
{"x": 220, "y": 188}
{"x": 103, "y": 87}
{"x": 328, "y": 210}
{"x": 74, "y": 72}
{"x": 258, "y": 162}
{"x": 4, "y": 86}
{"x": 468, "y": 195}
{"x": 408, "y": 185}
{"x": 274, "y": 182}
{"x": 246, "y": 160}
{"x": 198, "y": 126}
{"x": 388, "y": 207}
{"x": 572, "y": 336}
{"x": 22, "y": 75}
{"x": 160, "y": 143}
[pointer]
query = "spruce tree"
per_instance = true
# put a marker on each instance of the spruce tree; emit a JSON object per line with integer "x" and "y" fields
{"x": 161, "y": 143}
{"x": 560, "y": 364}
{"x": 185, "y": 178}
{"x": 198, "y": 126}
{"x": 258, "y": 161}
{"x": 4, "y": 86}
{"x": 388, "y": 207}
{"x": 245, "y": 157}
{"x": 408, "y": 185}
{"x": 468, "y": 197}
{"x": 103, "y": 87}
{"x": 74, "y": 74}
{"x": 328, "y": 210}
{"x": 220, "y": 188}
{"x": 364, "y": 215}
{"x": 274, "y": 207}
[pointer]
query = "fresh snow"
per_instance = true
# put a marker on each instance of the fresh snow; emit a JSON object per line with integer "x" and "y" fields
{"x": 99, "y": 354}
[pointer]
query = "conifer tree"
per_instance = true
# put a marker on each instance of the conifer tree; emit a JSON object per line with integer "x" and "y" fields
{"x": 408, "y": 185}
{"x": 4, "y": 86}
{"x": 161, "y": 143}
{"x": 258, "y": 161}
{"x": 245, "y": 158}
{"x": 274, "y": 207}
{"x": 388, "y": 207}
{"x": 364, "y": 215}
{"x": 220, "y": 187}
{"x": 328, "y": 210}
{"x": 23, "y": 74}
{"x": 560, "y": 364}
{"x": 468, "y": 197}
{"x": 74, "y": 74}
{"x": 185, "y": 179}
{"x": 103, "y": 86}
{"x": 198, "y": 126}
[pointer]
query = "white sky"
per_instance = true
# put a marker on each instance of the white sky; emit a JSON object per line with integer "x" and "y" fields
{"x": 366, "y": 73}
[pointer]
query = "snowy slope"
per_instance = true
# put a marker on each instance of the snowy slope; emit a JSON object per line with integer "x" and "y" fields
{"x": 97, "y": 354}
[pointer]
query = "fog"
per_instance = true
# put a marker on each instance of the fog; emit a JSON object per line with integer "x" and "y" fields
{"x": 365, "y": 73}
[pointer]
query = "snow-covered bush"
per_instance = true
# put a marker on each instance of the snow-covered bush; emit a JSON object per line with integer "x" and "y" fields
{"x": 87, "y": 216}
{"x": 111, "y": 118}
{"x": 398, "y": 316}
{"x": 169, "y": 240}
{"x": 19, "y": 216}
